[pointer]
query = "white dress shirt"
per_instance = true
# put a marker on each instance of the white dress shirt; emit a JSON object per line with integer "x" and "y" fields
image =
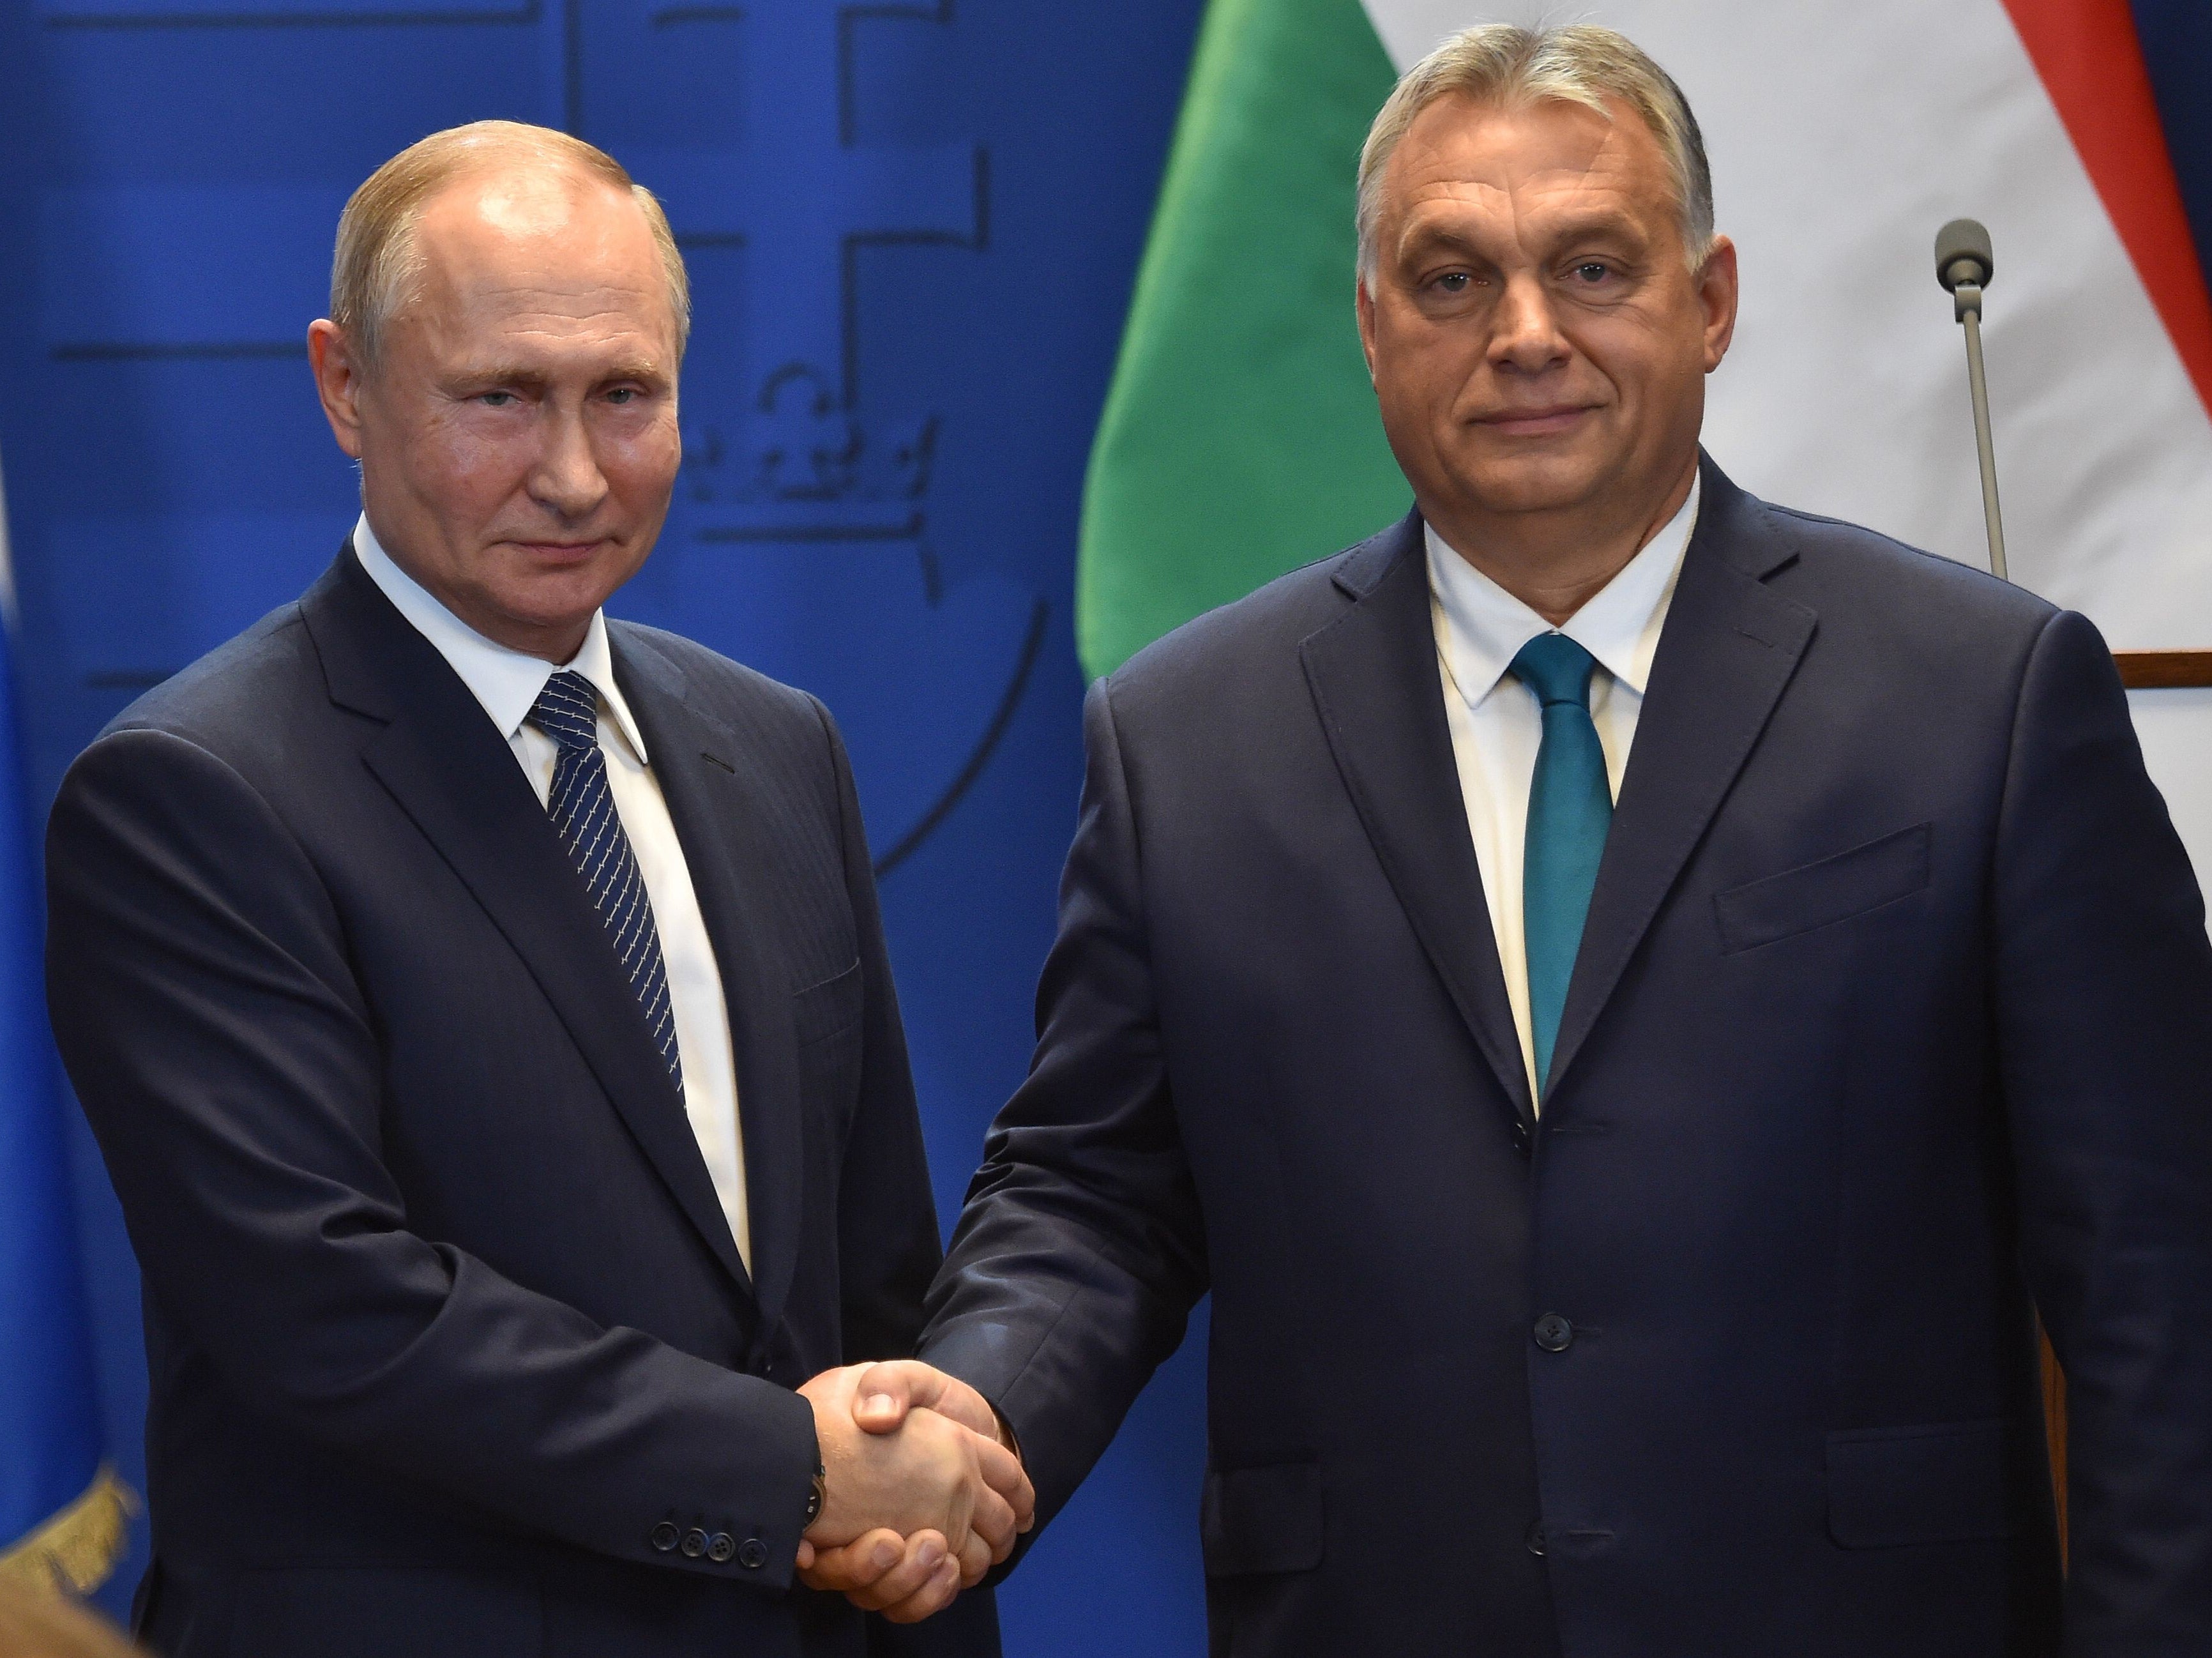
{"x": 508, "y": 683}
{"x": 1496, "y": 728}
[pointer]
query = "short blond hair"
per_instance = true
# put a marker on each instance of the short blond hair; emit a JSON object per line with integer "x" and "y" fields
{"x": 377, "y": 261}
{"x": 1502, "y": 65}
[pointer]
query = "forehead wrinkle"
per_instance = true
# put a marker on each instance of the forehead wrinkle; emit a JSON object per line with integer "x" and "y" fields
{"x": 1531, "y": 208}
{"x": 1453, "y": 153}
{"x": 454, "y": 308}
{"x": 542, "y": 310}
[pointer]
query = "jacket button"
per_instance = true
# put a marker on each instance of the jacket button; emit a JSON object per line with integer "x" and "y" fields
{"x": 721, "y": 1547}
{"x": 694, "y": 1544}
{"x": 663, "y": 1537}
{"x": 1535, "y": 1537}
{"x": 1520, "y": 1138}
{"x": 1554, "y": 1333}
{"x": 752, "y": 1554}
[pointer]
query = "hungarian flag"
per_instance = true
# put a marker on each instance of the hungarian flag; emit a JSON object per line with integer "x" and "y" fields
{"x": 1241, "y": 440}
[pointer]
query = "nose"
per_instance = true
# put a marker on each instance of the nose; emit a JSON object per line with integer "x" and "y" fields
{"x": 567, "y": 481}
{"x": 1525, "y": 336}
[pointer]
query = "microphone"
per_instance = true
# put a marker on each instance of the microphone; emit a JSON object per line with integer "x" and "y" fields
{"x": 1964, "y": 264}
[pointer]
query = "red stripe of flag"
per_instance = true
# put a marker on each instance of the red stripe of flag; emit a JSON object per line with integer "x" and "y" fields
{"x": 2092, "y": 63}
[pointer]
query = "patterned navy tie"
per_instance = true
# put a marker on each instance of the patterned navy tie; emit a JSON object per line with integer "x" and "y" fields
{"x": 582, "y": 807}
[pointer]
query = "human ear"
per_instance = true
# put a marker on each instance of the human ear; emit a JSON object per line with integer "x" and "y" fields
{"x": 338, "y": 370}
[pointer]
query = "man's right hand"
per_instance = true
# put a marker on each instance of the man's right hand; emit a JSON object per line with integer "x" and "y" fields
{"x": 926, "y": 1475}
{"x": 908, "y": 1578}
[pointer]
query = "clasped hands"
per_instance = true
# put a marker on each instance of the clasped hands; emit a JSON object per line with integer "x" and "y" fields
{"x": 923, "y": 1494}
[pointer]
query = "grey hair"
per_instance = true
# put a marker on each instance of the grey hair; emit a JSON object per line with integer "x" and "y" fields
{"x": 376, "y": 262}
{"x": 1504, "y": 65}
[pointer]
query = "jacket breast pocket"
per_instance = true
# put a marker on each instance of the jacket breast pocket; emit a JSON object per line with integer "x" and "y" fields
{"x": 1951, "y": 1482}
{"x": 828, "y": 1009}
{"x": 1262, "y": 1520}
{"x": 1820, "y": 894}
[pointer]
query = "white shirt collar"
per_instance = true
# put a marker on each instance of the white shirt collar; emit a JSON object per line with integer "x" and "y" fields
{"x": 1487, "y": 626}
{"x": 505, "y": 682}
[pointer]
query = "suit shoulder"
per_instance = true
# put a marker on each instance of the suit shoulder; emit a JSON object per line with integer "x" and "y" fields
{"x": 1265, "y": 627}
{"x": 1845, "y": 561}
{"x": 237, "y": 691}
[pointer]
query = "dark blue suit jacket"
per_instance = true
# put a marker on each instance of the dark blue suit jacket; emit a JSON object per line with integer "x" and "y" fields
{"x": 1891, "y": 1022}
{"x": 444, "y": 1319}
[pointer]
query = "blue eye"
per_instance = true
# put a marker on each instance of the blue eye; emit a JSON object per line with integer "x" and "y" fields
{"x": 496, "y": 399}
{"x": 622, "y": 394}
{"x": 1591, "y": 272}
{"x": 1454, "y": 281}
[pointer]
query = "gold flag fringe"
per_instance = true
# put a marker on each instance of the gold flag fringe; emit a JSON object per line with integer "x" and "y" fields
{"x": 76, "y": 1548}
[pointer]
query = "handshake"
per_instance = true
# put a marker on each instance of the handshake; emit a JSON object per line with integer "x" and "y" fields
{"x": 924, "y": 1491}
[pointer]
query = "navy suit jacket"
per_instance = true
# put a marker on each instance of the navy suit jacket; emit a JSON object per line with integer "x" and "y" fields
{"x": 1891, "y": 1022}
{"x": 444, "y": 1320}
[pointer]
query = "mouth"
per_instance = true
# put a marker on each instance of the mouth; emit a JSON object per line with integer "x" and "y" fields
{"x": 1534, "y": 422}
{"x": 559, "y": 552}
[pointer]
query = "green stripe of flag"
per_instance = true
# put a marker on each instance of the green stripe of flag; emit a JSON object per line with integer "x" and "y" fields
{"x": 1240, "y": 439}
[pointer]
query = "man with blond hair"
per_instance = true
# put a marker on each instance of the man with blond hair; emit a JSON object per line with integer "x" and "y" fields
{"x": 484, "y": 1013}
{"x": 1630, "y": 998}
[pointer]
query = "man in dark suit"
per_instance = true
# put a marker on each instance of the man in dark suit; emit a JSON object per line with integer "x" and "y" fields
{"x": 484, "y": 1013}
{"x": 1630, "y": 998}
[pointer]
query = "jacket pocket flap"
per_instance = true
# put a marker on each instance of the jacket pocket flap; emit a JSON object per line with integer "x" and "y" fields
{"x": 1262, "y": 1520}
{"x": 1948, "y": 1483}
{"x": 1833, "y": 889}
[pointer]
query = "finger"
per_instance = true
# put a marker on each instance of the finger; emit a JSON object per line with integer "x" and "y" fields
{"x": 992, "y": 1519}
{"x": 1002, "y": 1471}
{"x": 805, "y": 1554}
{"x": 930, "y": 1600}
{"x": 859, "y": 1565}
{"x": 924, "y": 1558}
{"x": 976, "y": 1561}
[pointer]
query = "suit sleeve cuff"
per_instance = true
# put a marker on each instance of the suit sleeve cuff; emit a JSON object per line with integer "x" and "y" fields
{"x": 748, "y": 1532}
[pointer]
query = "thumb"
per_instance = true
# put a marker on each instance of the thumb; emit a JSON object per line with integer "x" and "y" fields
{"x": 908, "y": 1384}
{"x": 886, "y": 1392}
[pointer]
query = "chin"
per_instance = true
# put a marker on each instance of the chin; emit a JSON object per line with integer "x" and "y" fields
{"x": 1532, "y": 483}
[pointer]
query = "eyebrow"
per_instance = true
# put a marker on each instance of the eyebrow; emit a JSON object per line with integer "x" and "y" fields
{"x": 1431, "y": 237}
{"x": 515, "y": 374}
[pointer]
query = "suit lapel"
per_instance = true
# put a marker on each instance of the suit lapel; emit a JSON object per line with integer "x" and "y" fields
{"x": 455, "y": 777}
{"x": 1729, "y": 648}
{"x": 1375, "y": 682}
{"x": 721, "y": 817}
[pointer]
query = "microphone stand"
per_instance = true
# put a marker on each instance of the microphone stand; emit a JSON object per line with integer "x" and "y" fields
{"x": 1964, "y": 264}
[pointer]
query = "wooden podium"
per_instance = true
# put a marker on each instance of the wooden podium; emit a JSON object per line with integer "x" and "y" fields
{"x": 2164, "y": 671}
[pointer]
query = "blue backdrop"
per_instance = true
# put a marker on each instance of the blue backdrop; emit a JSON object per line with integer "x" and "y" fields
{"x": 912, "y": 228}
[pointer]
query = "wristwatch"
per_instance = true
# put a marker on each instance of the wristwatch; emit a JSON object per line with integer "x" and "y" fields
{"x": 819, "y": 1494}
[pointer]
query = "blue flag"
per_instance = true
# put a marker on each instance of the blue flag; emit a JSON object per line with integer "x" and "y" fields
{"x": 63, "y": 1515}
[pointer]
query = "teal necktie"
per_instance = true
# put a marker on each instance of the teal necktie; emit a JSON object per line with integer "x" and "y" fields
{"x": 1569, "y": 809}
